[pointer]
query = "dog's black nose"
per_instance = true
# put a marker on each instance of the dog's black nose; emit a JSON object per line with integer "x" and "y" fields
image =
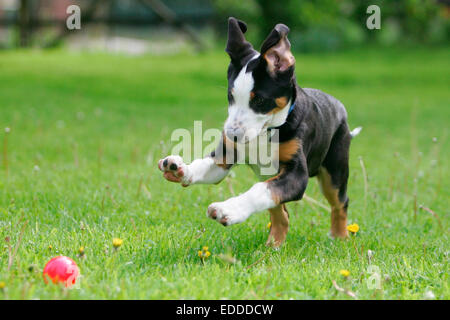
{"x": 235, "y": 134}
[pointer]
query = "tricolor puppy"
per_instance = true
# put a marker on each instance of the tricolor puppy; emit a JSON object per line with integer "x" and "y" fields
{"x": 314, "y": 137}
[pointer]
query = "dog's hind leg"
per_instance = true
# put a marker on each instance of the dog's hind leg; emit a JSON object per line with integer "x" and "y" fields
{"x": 333, "y": 177}
{"x": 279, "y": 218}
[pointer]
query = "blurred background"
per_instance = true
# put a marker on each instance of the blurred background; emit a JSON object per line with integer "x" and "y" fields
{"x": 170, "y": 26}
{"x": 86, "y": 114}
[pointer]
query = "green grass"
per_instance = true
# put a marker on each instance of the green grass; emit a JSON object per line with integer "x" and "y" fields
{"x": 88, "y": 129}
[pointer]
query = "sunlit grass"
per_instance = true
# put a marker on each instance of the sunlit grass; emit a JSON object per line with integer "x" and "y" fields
{"x": 86, "y": 131}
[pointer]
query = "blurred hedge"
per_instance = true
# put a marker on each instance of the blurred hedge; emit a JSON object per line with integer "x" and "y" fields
{"x": 332, "y": 24}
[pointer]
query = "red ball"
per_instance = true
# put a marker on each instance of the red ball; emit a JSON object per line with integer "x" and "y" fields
{"x": 61, "y": 269}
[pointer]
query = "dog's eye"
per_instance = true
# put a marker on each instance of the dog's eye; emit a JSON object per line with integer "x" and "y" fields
{"x": 257, "y": 100}
{"x": 252, "y": 95}
{"x": 230, "y": 97}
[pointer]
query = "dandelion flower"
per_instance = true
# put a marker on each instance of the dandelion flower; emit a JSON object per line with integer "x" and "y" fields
{"x": 353, "y": 228}
{"x": 50, "y": 247}
{"x": 81, "y": 251}
{"x": 117, "y": 242}
{"x": 204, "y": 253}
{"x": 269, "y": 225}
{"x": 2, "y": 284}
{"x": 344, "y": 273}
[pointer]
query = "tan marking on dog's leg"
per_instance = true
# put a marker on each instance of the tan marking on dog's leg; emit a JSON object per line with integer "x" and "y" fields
{"x": 274, "y": 192}
{"x": 227, "y": 147}
{"x": 338, "y": 210}
{"x": 279, "y": 219}
{"x": 288, "y": 149}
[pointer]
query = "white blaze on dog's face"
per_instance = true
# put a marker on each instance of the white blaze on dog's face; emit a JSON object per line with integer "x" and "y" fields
{"x": 259, "y": 85}
{"x": 243, "y": 123}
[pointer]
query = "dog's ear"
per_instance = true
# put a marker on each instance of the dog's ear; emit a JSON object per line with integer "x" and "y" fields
{"x": 276, "y": 50}
{"x": 237, "y": 47}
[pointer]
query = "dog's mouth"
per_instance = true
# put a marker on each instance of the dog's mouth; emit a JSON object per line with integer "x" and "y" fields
{"x": 261, "y": 135}
{"x": 244, "y": 140}
{"x": 264, "y": 128}
{"x": 248, "y": 135}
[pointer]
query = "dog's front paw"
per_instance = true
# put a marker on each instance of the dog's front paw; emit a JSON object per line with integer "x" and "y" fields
{"x": 175, "y": 170}
{"x": 225, "y": 213}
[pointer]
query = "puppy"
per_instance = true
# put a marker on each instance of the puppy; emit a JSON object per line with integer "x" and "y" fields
{"x": 313, "y": 136}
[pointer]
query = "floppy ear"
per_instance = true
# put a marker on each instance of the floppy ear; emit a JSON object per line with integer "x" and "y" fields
{"x": 276, "y": 50}
{"x": 237, "y": 46}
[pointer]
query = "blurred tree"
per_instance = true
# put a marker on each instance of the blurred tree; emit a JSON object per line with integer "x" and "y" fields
{"x": 330, "y": 24}
{"x": 24, "y": 23}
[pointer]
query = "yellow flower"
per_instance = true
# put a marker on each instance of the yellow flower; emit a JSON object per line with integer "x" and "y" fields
{"x": 353, "y": 228}
{"x": 50, "y": 247}
{"x": 2, "y": 285}
{"x": 81, "y": 251}
{"x": 269, "y": 225}
{"x": 204, "y": 253}
{"x": 344, "y": 273}
{"x": 117, "y": 242}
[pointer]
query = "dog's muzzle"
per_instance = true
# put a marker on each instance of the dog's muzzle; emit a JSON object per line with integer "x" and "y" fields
{"x": 235, "y": 134}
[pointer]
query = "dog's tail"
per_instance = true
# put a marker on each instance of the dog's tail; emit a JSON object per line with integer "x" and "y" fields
{"x": 355, "y": 132}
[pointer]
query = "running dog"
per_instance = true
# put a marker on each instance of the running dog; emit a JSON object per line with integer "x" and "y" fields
{"x": 314, "y": 137}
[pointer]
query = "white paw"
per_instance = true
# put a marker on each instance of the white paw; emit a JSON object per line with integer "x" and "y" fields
{"x": 226, "y": 213}
{"x": 175, "y": 170}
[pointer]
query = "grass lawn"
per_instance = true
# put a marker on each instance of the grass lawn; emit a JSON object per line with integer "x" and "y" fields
{"x": 87, "y": 130}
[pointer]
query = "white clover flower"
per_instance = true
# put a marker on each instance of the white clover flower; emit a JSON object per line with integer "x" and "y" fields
{"x": 80, "y": 115}
{"x": 98, "y": 112}
{"x": 60, "y": 124}
{"x": 429, "y": 295}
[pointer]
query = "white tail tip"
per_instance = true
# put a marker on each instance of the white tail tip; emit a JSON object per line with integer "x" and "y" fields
{"x": 355, "y": 131}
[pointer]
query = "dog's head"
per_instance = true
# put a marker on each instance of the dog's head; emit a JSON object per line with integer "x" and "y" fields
{"x": 260, "y": 85}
